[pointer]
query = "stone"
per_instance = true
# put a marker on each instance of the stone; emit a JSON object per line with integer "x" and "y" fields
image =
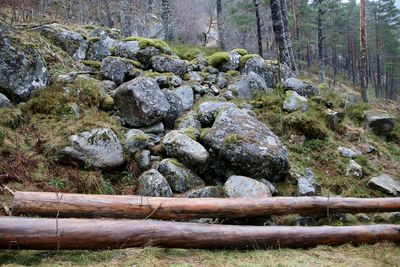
{"x": 153, "y": 184}
{"x": 4, "y": 101}
{"x": 248, "y": 86}
{"x": 270, "y": 185}
{"x": 379, "y": 121}
{"x": 136, "y": 140}
{"x": 246, "y": 145}
{"x": 386, "y": 184}
{"x": 186, "y": 95}
{"x": 169, "y": 64}
{"x": 334, "y": 118}
{"x": 208, "y": 111}
{"x": 306, "y": 183}
{"x": 354, "y": 169}
{"x": 293, "y": 102}
{"x": 98, "y": 148}
{"x": 99, "y": 46}
{"x": 175, "y": 110}
{"x": 168, "y": 80}
{"x": 117, "y": 69}
{"x": 22, "y": 69}
{"x": 185, "y": 149}
{"x": 222, "y": 81}
{"x": 349, "y": 153}
{"x": 232, "y": 63}
{"x": 143, "y": 159}
{"x": 245, "y": 187}
{"x": 193, "y": 76}
{"x": 206, "y": 192}
{"x": 303, "y": 88}
{"x": 127, "y": 50}
{"x": 257, "y": 65}
{"x": 189, "y": 124}
{"x": 141, "y": 102}
{"x": 179, "y": 177}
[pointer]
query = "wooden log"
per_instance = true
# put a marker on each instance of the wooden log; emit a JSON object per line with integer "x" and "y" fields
{"x": 137, "y": 207}
{"x": 52, "y": 234}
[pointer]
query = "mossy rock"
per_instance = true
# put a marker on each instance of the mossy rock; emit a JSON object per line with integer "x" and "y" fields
{"x": 233, "y": 139}
{"x": 107, "y": 103}
{"x": 92, "y": 63}
{"x": 204, "y": 132}
{"x": 232, "y": 73}
{"x": 310, "y": 126}
{"x": 145, "y": 42}
{"x": 245, "y": 58}
{"x": 219, "y": 58}
{"x": 94, "y": 39}
{"x": 240, "y": 51}
{"x": 10, "y": 117}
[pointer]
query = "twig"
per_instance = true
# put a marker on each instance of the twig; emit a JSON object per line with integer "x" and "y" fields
{"x": 6, "y": 209}
{"x": 154, "y": 211}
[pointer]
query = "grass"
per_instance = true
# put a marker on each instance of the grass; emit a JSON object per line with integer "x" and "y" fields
{"x": 383, "y": 254}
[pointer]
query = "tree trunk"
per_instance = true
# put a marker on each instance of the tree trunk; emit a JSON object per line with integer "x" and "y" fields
{"x": 363, "y": 52}
{"x": 167, "y": 20}
{"x": 378, "y": 88}
{"x": 110, "y": 22}
{"x": 220, "y": 26}
{"x": 126, "y": 13}
{"x": 258, "y": 20}
{"x": 61, "y": 234}
{"x": 137, "y": 207}
{"x": 321, "y": 37}
{"x": 281, "y": 32}
{"x": 150, "y": 6}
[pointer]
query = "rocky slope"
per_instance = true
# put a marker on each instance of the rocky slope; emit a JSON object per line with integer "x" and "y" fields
{"x": 83, "y": 110}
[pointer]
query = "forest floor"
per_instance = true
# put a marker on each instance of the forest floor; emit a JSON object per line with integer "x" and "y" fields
{"x": 367, "y": 255}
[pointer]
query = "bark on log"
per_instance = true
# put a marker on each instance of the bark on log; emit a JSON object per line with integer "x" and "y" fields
{"x": 137, "y": 207}
{"x": 51, "y": 234}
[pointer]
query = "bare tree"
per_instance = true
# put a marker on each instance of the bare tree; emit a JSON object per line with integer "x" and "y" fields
{"x": 321, "y": 37}
{"x": 167, "y": 20}
{"x": 220, "y": 24}
{"x": 363, "y": 52}
{"x": 258, "y": 20}
{"x": 110, "y": 22}
{"x": 126, "y": 11}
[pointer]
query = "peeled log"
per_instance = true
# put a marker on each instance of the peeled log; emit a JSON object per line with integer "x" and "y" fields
{"x": 137, "y": 207}
{"x": 51, "y": 234}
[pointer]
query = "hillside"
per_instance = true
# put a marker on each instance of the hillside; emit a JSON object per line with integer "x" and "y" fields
{"x": 85, "y": 110}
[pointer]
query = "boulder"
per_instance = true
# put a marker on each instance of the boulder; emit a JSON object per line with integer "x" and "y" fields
{"x": 4, "y": 101}
{"x": 189, "y": 124}
{"x": 293, "y": 101}
{"x": 246, "y": 145}
{"x": 22, "y": 69}
{"x": 209, "y": 110}
{"x": 180, "y": 178}
{"x": 169, "y": 64}
{"x": 257, "y": 65}
{"x": 386, "y": 184}
{"x": 168, "y": 80}
{"x": 248, "y": 86}
{"x": 303, "y": 88}
{"x": 98, "y": 148}
{"x": 175, "y": 110}
{"x": 185, "y": 149}
{"x": 143, "y": 159}
{"x": 379, "y": 121}
{"x": 136, "y": 140}
{"x": 241, "y": 186}
{"x": 222, "y": 80}
{"x": 117, "y": 69}
{"x": 127, "y": 50}
{"x": 141, "y": 102}
{"x": 334, "y": 118}
{"x": 232, "y": 63}
{"x": 206, "y": 192}
{"x": 99, "y": 46}
{"x": 193, "y": 77}
{"x": 306, "y": 183}
{"x": 153, "y": 184}
{"x": 349, "y": 153}
{"x": 186, "y": 95}
{"x": 354, "y": 169}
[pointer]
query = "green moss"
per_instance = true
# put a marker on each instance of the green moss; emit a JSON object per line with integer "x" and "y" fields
{"x": 145, "y": 42}
{"x": 307, "y": 123}
{"x": 188, "y": 52}
{"x": 10, "y": 117}
{"x": 94, "y": 39}
{"x": 158, "y": 150}
{"x": 204, "y": 132}
{"x": 153, "y": 74}
{"x": 2, "y": 137}
{"x": 323, "y": 86}
{"x": 107, "y": 103}
{"x": 139, "y": 138}
{"x": 186, "y": 77}
{"x": 113, "y": 49}
{"x": 92, "y": 63}
{"x": 245, "y": 58}
{"x": 232, "y": 73}
{"x": 271, "y": 62}
{"x": 217, "y": 59}
{"x": 191, "y": 132}
{"x": 233, "y": 139}
{"x": 50, "y": 100}
{"x": 177, "y": 163}
{"x": 241, "y": 51}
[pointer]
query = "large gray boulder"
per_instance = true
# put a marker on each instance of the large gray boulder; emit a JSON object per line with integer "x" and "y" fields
{"x": 185, "y": 149}
{"x": 4, "y": 101}
{"x": 232, "y": 63}
{"x": 117, "y": 69}
{"x": 379, "y": 121}
{"x": 206, "y": 192}
{"x": 153, "y": 184}
{"x": 98, "y": 148}
{"x": 127, "y": 50}
{"x": 246, "y": 145}
{"x": 22, "y": 69}
{"x": 169, "y": 64}
{"x": 265, "y": 71}
{"x": 99, "y": 47}
{"x": 244, "y": 187}
{"x": 293, "y": 101}
{"x": 248, "y": 86}
{"x": 386, "y": 184}
{"x": 186, "y": 95}
{"x": 303, "y": 88}
{"x": 208, "y": 111}
{"x": 141, "y": 102}
{"x": 175, "y": 110}
{"x": 180, "y": 178}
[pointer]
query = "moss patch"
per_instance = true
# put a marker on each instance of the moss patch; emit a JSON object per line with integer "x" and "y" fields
{"x": 145, "y": 42}
{"x": 219, "y": 58}
{"x": 240, "y": 51}
{"x": 232, "y": 73}
{"x": 92, "y": 63}
{"x": 188, "y": 52}
{"x": 245, "y": 58}
{"x": 10, "y": 117}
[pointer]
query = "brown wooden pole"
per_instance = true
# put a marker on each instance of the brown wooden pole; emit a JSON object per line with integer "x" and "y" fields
{"x": 52, "y": 234}
{"x": 137, "y": 207}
